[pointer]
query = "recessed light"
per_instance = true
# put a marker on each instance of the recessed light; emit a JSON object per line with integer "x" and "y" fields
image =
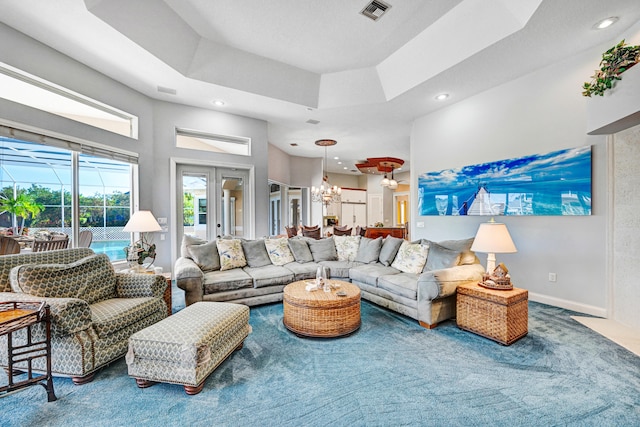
{"x": 339, "y": 163}
{"x": 345, "y": 168}
{"x": 218, "y": 102}
{"x": 336, "y": 158}
{"x": 442, "y": 96}
{"x": 607, "y": 22}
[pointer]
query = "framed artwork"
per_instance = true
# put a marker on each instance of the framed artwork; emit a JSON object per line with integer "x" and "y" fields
{"x": 556, "y": 183}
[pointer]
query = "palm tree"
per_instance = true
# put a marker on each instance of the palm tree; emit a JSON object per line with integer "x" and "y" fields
{"x": 21, "y": 206}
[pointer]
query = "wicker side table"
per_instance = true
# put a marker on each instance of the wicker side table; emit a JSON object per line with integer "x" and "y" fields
{"x": 321, "y": 314}
{"x": 502, "y": 316}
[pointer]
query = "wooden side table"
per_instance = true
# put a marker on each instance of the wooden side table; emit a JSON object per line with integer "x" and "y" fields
{"x": 499, "y": 315}
{"x": 167, "y": 292}
{"x": 19, "y": 315}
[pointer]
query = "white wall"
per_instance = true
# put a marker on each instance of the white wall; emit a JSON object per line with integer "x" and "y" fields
{"x": 538, "y": 113}
{"x": 166, "y": 117}
{"x": 279, "y": 165}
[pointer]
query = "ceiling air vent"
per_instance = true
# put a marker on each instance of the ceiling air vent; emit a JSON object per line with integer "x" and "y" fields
{"x": 375, "y": 9}
{"x": 166, "y": 90}
{"x": 313, "y": 121}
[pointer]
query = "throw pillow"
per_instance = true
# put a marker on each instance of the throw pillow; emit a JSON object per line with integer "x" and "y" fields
{"x": 323, "y": 249}
{"x": 440, "y": 257}
{"x": 347, "y": 247}
{"x": 463, "y": 247}
{"x": 188, "y": 240}
{"x": 279, "y": 252}
{"x": 90, "y": 279}
{"x": 231, "y": 254}
{"x": 205, "y": 255}
{"x": 300, "y": 250}
{"x": 255, "y": 253}
{"x": 389, "y": 250}
{"x": 411, "y": 258}
{"x": 369, "y": 250}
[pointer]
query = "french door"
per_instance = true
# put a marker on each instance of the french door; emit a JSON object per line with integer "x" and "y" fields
{"x": 212, "y": 202}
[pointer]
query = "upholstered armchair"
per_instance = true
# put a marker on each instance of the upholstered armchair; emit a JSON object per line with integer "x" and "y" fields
{"x": 94, "y": 310}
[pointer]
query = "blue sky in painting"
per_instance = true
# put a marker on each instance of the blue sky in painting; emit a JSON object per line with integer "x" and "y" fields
{"x": 556, "y": 183}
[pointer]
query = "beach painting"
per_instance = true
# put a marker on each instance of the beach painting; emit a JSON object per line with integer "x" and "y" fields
{"x": 556, "y": 183}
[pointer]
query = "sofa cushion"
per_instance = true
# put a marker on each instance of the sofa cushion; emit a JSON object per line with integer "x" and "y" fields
{"x": 226, "y": 280}
{"x": 90, "y": 279}
{"x": 205, "y": 255}
{"x": 411, "y": 257}
{"x": 113, "y": 315}
{"x": 347, "y": 247}
{"x": 369, "y": 250}
{"x": 303, "y": 271}
{"x": 463, "y": 246}
{"x": 323, "y": 250}
{"x": 339, "y": 269}
{"x": 187, "y": 241}
{"x": 269, "y": 275}
{"x": 403, "y": 284}
{"x": 255, "y": 253}
{"x": 369, "y": 273}
{"x": 440, "y": 257}
{"x": 389, "y": 250}
{"x": 279, "y": 251}
{"x": 231, "y": 254}
{"x": 300, "y": 250}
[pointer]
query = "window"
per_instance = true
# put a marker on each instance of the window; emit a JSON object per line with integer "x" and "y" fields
{"x": 26, "y": 89}
{"x": 43, "y": 174}
{"x": 195, "y": 140}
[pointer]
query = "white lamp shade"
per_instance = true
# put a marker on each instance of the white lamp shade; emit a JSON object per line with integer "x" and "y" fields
{"x": 393, "y": 184}
{"x": 384, "y": 182}
{"x": 142, "y": 222}
{"x": 493, "y": 237}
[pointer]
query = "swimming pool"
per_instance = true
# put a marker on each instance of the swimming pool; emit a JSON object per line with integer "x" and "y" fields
{"x": 113, "y": 248}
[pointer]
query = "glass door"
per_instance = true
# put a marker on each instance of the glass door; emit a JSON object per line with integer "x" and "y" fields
{"x": 212, "y": 202}
{"x": 194, "y": 194}
{"x": 232, "y": 203}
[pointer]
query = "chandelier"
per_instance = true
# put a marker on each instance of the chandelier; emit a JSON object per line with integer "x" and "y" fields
{"x": 392, "y": 184}
{"x": 326, "y": 193}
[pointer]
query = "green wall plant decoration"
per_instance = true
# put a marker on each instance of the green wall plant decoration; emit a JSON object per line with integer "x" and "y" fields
{"x": 615, "y": 61}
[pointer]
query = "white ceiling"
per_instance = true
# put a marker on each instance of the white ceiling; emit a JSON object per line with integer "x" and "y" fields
{"x": 288, "y": 61}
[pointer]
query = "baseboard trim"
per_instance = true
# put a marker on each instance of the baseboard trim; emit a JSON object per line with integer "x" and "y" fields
{"x": 569, "y": 305}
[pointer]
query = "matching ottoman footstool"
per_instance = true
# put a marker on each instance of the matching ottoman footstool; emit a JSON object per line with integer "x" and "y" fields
{"x": 186, "y": 347}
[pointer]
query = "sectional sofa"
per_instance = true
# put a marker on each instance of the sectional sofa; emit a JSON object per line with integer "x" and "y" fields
{"x": 417, "y": 279}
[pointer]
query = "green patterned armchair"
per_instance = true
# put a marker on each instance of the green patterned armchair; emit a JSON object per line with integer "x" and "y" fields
{"x": 94, "y": 310}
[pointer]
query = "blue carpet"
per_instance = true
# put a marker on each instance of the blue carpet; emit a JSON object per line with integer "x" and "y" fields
{"x": 390, "y": 372}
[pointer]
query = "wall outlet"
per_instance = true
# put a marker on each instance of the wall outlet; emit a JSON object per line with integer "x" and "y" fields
{"x": 552, "y": 277}
{"x": 420, "y": 224}
{"x": 162, "y": 236}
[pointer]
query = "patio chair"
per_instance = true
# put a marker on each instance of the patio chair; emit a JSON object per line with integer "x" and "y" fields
{"x": 9, "y": 246}
{"x": 85, "y": 238}
{"x": 50, "y": 245}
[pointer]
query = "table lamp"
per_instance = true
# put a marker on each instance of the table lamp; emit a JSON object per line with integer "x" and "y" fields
{"x": 492, "y": 238}
{"x": 141, "y": 222}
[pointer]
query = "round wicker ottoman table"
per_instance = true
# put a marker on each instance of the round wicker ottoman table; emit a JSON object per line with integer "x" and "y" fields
{"x": 319, "y": 313}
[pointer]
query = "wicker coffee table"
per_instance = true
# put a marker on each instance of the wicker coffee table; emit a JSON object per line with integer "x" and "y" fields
{"x": 321, "y": 314}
